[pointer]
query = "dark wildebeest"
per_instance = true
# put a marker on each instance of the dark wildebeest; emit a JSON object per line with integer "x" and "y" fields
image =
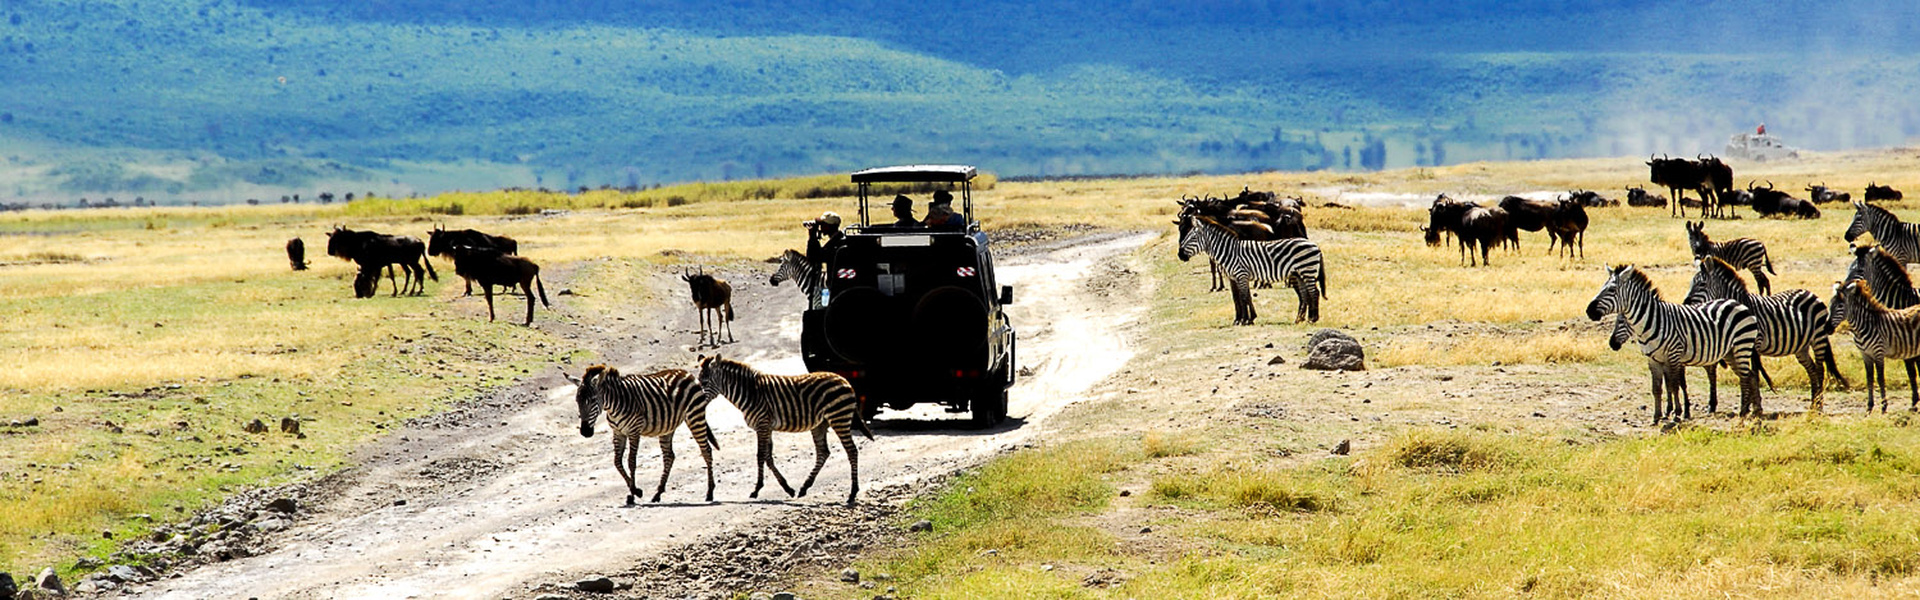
{"x": 1470, "y": 222}
{"x": 1529, "y": 215}
{"x": 1251, "y": 216}
{"x": 492, "y": 267}
{"x": 1737, "y": 198}
{"x": 1679, "y": 175}
{"x": 1591, "y": 198}
{"x": 1638, "y": 196}
{"x": 1821, "y": 194}
{"x": 297, "y": 254}
{"x": 1771, "y": 202}
{"x": 1568, "y": 224}
{"x": 713, "y": 298}
{"x": 1717, "y": 177}
{"x": 1882, "y": 192}
{"x": 373, "y": 251}
{"x": 440, "y": 242}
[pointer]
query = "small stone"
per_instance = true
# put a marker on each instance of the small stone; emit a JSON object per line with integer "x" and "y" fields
{"x": 597, "y": 584}
{"x": 86, "y": 563}
{"x": 284, "y": 505}
{"x": 1342, "y": 448}
{"x": 1146, "y": 530}
{"x": 1125, "y": 493}
{"x": 289, "y": 425}
{"x": 255, "y": 426}
{"x": 785, "y": 596}
{"x": 48, "y": 581}
{"x": 1539, "y": 415}
{"x": 849, "y": 575}
{"x": 124, "y": 574}
{"x": 921, "y": 525}
{"x": 1046, "y": 567}
{"x": 32, "y": 421}
{"x": 1278, "y": 360}
{"x": 400, "y": 503}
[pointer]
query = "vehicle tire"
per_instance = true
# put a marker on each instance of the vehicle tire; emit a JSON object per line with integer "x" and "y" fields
{"x": 990, "y": 405}
{"x": 854, "y": 324}
{"x": 951, "y": 323}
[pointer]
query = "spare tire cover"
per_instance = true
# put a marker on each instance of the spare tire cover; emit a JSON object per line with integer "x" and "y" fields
{"x": 858, "y": 323}
{"x": 950, "y": 322}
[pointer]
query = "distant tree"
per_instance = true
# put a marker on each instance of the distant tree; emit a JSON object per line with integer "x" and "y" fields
{"x": 349, "y": 196}
{"x": 82, "y": 203}
{"x": 326, "y": 197}
{"x": 285, "y": 199}
{"x": 256, "y": 201}
{"x": 296, "y": 198}
{"x": 139, "y": 201}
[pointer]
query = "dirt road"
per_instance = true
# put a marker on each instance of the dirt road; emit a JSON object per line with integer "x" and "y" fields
{"x": 495, "y": 502}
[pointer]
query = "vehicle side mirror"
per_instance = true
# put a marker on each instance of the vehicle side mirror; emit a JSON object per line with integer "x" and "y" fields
{"x": 1006, "y": 294}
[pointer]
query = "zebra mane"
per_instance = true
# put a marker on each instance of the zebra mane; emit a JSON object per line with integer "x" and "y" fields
{"x": 792, "y": 254}
{"x": 1887, "y": 266}
{"x": 1864, "y": 291}
{"x": 1876, "y": 210}
{"x": 1635, "y": 275}
{"x": 599, "y": 371}
{"x": 1724, "y": 270}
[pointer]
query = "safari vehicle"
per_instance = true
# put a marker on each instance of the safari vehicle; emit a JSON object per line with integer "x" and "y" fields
{"x": 914, "y": 315}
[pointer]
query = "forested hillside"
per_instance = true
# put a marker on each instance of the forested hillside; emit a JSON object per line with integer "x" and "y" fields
{"x": 219, "y": 100}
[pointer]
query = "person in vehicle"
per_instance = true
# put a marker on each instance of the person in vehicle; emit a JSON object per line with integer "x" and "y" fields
{"x": 940, "y": 213}
{"x": 823, "y": 238}
{"x": 903, "y": 210}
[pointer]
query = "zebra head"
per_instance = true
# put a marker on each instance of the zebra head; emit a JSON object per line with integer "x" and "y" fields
{"x": 1697, "y": 238}
{"x": 1603, "y": 303}
{"x": 1189, "y": 240}
{"x": 587, "y": 395}
{"x": 790, "y": 267}
{"x": 1837, "y": 307}
{"x": 1859, "y": 224}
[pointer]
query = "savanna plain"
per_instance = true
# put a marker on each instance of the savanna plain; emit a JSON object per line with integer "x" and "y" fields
{"x": 1497, "y": 447}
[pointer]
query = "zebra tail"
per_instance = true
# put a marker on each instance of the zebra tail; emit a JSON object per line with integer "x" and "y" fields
{"x": 1323, "y": 280}
{"x": 543, "y": 291}
{"x": 1769, "y": 259}
{"x": 860, "y": 420}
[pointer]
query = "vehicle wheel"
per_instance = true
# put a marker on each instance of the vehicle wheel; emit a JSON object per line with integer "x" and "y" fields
{"x": 990, "y": 406}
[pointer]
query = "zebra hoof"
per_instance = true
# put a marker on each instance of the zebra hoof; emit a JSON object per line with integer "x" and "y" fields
{"x": 630, "y": 500}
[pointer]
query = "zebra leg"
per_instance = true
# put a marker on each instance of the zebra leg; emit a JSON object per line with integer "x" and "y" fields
{"x": 666, "y": 464}
{"x": 766, "y": 454}
{"x": 1760, "y": 281}
{"x": 1713, "y": 389}
{"x": 1816, "y": 379}
{"x": 620, "y": 464}
{"x": 1911, "y": 364}
{"x": 820, "y": 451}
{"x": 1679, "y": 400}
{"x": 763, "y": 447}
{"x": 1658, "y": 373}
{"x": 853, "y": 459}
{"x": 1870, "y": 378}
{"x": 706, "y": 454}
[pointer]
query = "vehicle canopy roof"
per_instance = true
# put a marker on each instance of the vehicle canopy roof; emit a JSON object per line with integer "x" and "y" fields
{"x": 952, "y": 174}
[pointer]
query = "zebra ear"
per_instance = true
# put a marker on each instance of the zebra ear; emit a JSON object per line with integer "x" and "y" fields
{"x": 570, "y": 377}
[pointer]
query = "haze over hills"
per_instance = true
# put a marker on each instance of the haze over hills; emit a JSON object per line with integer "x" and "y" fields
{"x": 216, "y": 100}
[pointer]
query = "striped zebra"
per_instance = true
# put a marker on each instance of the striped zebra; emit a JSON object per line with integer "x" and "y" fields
{"x": 1675, "y": 336}
{"x": 1296, "y": 262}
{"x": 795, "y": 266}
{"x": 789, "y": 403}
{"x": 1792, "y": 323}
{"x": 645, "y": 406}
{"x": 1882, "y": 333}
{"x": 1902, "y": 240}
{"x": 1742, "y": 253}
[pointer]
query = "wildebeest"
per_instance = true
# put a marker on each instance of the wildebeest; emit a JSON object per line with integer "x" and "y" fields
{"x": 1772, "y": 202}
{"x": 713, "y": 298}
{"x": 1737, "y": 198}
{"x": 1882, "y": 192}
{"x": 1250, "y": 216}
{"x": 1638, "y": 196}
{"x": 492, "y": 267}
{"x": 1821, "y": 194}
{"x": 1472, "y": 223}
{"x": 297, "y": 254}
{"x": 374, "y": 251}
{"x": 1716, "y": 177}
{"x": 1529, "y": 215}
{"x": 1679, "y": 175}
{"x": 440, "y": 242}
{"x": 1591, "y": 198}
{"x": 1568, "y": 223}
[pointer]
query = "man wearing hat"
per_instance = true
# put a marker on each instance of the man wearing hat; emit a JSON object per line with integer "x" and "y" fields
{"x": 823, "y": 239}
{"x": 903, "y": 210}
{"x": 940, "y": 213}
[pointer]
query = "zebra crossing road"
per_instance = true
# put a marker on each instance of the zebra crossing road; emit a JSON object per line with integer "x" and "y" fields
{"x": 495, "y": 506}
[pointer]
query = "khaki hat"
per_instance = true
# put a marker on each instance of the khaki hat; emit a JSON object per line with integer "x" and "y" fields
{"x": 830, "y": 218}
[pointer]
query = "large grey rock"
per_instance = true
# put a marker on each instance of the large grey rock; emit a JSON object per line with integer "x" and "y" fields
{"x": 596, "y": 584}
{"x": 1326, "y": 334}
{"x": 1340, "y": 353}
{"x": 284, "y": 505}
{"x": 7, "y": 587}
{"x": 48, "y": 581}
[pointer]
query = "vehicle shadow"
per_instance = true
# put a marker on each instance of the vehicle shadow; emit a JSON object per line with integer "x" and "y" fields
{"x": 958, "y": 426}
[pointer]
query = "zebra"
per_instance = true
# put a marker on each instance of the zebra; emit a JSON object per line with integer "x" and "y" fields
{"x": 1742, "y": 253}
{"x": 1675, "y": 336}
{"x": 795, "y": 266}
{"x": 1296, "y": 262}
{"x": 790, "y": 403}
{"x": 645, "y": 406}
{"x": 1794, "y": 322}
{"x": 1902, "y": 240}
{"x": 1882, "y": 333}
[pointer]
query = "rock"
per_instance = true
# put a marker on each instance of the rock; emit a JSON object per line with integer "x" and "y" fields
{"x": 1328, "y": 334}
{"x": 124, "y": 574}
{"x": 400, "y": 503}
{"x": 86, "y": 563}
{"x": 1125, "y": 493}
{"x": 255, "y": 426}
{"x": 921, "y": 525}
{"x": 785, "y": 596}
{"x": 1146, "y": 530}
{"x": 284, "y": 505}
{"x": 31, "y": 422}
{"x": 596, "y": 584}
{"x": 271, "y": 525}
{"x": 47, "y": 581}
{"x": 7, "y": 587}
{"x": 550, "y": 597}
{"x": 1342, "y": 448}
{"x": 1336, "y": 354}
{"x": 1278, "y": 360}
{"x": 849, "y": 575}
{"x": 289, "y": 425}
